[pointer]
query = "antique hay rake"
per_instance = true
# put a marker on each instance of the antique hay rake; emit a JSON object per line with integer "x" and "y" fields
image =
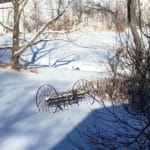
{"x": 49, "y": 100}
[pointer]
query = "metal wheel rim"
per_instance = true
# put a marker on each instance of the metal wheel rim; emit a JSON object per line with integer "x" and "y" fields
{"x": 43, "y": 93}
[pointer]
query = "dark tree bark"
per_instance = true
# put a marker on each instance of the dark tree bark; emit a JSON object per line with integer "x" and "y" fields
{"x": 15, "y": 59}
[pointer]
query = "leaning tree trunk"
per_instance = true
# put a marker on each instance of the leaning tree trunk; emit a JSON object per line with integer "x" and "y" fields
{"x": 139, "y": 58}
{"x": 15, "y": 58}
{"x": 133, "y": 21}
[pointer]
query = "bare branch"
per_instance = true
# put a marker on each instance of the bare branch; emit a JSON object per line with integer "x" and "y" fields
{"x": 21, "y": 9}
{"x": 6, "y": 27}
{"x": 99, "y": 7}
{"x": 6, "y": 8}
{"x": 36, "y": 36}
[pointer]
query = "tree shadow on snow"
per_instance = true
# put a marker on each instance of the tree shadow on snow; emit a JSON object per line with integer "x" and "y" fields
{"x": 44, "y": 51}
{"x": 98, "y": 130}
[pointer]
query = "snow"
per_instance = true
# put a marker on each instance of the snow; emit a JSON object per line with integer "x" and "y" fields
{"x": 6, "y": 40}
{"x": 60, "y": 63}
{"x": 22, "y": 126}
{"x": 82, "y": 50}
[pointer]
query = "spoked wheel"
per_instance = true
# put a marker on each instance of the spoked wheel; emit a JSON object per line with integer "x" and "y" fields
{"x": 43, "y": 96}
{"x": 83, "y": 87}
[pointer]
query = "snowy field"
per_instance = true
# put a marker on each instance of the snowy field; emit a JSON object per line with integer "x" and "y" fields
{"x": 22, "y": 126}
{"x": 82, "y": 50}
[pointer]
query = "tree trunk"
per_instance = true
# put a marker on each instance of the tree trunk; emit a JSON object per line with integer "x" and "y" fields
{"x": 133, "y": 22}
{"x": 15, "y": 59}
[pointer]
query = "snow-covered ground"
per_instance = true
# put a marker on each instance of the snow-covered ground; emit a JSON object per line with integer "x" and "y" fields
{"x": 22, "y": 126}
{"x": 82, "y": 50}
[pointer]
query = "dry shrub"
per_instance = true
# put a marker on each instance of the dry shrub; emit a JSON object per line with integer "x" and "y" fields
{"x": 62, "y": 24}
{"x": 138, "y": 94}
{"x": 31, "y": 23}
{"x": 110, "y": 89}
{"x": 2, "y": 65}
{"x": 120, "y": 27}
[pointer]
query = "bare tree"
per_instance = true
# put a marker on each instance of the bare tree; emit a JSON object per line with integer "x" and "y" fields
{"x": 18, "y": 7}
{"x": 124, "y": 126}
